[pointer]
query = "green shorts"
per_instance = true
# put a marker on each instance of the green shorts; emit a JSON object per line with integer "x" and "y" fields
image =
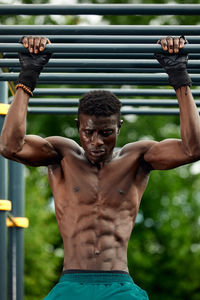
{"x": 98, "y": 285}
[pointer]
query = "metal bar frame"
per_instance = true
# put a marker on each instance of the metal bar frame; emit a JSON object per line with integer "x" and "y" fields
{"x": 103, "y": 48}
{"x": 94, "y": 39}
{"x": 100, "y": 30}
{"x": 98, "y": 63}
{"x": 100, "y": 55}
{"x": 99, "y": 79}
{"x": 3, "y": 196}
{"x": 124, "y": 111}
{"x": 101, "y": 9}
{"x": 105, "y": 70}
{"x": 125, "y": 102}
{"x": 16, "y": 234}
{"x": 118, "y": 92}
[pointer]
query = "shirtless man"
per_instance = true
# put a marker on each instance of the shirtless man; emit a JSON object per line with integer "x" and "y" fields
{"x": 97, "y": 192}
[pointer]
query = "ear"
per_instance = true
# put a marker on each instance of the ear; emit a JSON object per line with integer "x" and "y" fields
{"x": 121, "y": 122}
{"x": 77, "y": 123}
{"x": 119, "y": 126}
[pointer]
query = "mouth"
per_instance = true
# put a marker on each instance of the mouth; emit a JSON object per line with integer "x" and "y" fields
{"x": 97, "y": 153}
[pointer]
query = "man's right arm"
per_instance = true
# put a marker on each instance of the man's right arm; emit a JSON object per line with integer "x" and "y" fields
{"x": 16, "y": 145}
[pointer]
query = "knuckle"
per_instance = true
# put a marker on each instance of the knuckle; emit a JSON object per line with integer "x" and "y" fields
{"x": 164, "y": 43}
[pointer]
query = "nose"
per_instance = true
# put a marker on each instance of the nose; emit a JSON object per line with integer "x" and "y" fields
{"x": 97, "y": 140}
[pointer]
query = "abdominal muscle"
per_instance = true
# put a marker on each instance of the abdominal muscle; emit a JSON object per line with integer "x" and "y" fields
{"x": 95, "y": 238}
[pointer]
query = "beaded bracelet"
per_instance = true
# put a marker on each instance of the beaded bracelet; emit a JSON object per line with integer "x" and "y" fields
{"x": 25, "y": 88}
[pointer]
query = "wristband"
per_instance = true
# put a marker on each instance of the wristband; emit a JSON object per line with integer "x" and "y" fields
{"x": 25, "y": 88}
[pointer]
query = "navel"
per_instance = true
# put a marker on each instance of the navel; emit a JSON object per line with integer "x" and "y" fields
{"x": 76, "y": 189}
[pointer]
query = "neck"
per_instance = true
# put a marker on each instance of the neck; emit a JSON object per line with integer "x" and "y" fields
{"x": 99, "y": 165}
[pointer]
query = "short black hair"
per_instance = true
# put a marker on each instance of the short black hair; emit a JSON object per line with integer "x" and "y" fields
{"x": 99, "y": 103}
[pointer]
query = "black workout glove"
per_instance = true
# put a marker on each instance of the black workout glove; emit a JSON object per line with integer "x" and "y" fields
{"x": 175, "y": 66}
{"x": 31, "y": 66}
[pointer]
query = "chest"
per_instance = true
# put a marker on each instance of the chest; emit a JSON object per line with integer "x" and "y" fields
{"x": 113, "y": 184}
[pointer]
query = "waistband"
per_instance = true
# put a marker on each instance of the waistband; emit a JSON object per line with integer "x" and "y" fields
{"x": 96, "y": 277}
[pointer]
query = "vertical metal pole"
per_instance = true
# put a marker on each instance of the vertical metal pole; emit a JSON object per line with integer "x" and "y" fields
{"x": 16, "y": 234}
{"x": 3, "y": 196}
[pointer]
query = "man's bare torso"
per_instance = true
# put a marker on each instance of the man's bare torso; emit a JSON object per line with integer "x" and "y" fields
{"x": 96, "y": 208}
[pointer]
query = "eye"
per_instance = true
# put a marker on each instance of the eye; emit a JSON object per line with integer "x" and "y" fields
{"x": 88, "y": 132}
{"x": 106, "y": 133}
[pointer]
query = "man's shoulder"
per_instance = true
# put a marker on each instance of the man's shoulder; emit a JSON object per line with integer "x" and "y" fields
{"x": 136, "y": 151}
{"x": 63, "y": 144}
{"x": 140, "y": 147}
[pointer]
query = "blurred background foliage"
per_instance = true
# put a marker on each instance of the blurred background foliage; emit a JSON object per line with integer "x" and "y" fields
{"x": 164, "y": 249}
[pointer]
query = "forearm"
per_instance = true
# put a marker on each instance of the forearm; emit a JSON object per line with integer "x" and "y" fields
{"x": 189, "y": 121}
{"x": 14, "y": 129}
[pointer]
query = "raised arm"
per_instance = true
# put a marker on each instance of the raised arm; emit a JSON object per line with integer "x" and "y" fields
{"x": 14, "y": 143}
{"x": 172, "y": 153}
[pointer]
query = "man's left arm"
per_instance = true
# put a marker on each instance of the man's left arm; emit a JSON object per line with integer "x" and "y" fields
{"x": 172, "y": 153}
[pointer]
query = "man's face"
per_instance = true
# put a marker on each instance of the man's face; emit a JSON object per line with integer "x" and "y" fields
{"x": 98, "y": 136}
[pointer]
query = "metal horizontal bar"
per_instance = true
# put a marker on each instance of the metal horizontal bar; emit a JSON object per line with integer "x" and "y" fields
{"x": 143, "y": 92}
{"x": 101, "y": 9}
{"x": 100, "y": 30}
{"x": 101, "y": 55}
{"x": 118, "y": 92}
{"x": 94, "y": 63}
{"x": 103, "y": 70}
{"x": 53, "y": 110}
{"x": 93, "y": 77}
{"x": 100, "y": 83}
{"x": 125, "y": 111}
{"x": 125, "y": 102}
{"x": 120, "y": 39}
{"x": 95, "y": 55}
{"x": 89, "y": 66}
{"x": 103, "y": 48}
{"x": 98, "y": 63}
{"x": 90, "y": 78}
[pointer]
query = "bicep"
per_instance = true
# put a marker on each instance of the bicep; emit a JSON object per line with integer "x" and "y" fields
{"x": 167, "y": 154}
{"x": 36, "y": 151}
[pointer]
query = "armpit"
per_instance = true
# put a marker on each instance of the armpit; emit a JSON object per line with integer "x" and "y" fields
{"x": 147, "y": 167}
